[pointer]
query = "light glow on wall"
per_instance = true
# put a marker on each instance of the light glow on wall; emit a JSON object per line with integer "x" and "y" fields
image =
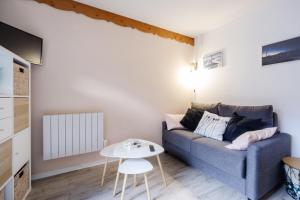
{"x": 188, "y": 78}
{"x": 195, "y": 79}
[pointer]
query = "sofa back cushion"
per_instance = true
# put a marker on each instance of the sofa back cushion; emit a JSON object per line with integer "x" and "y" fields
{"x": 212, "y": 108}
{"x": 252, "y": 112}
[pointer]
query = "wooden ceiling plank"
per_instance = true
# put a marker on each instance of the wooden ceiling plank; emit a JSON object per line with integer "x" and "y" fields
{"x": 96, "y": 13}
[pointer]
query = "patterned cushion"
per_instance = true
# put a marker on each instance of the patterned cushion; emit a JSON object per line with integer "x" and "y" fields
{"x": 212, "y": 126}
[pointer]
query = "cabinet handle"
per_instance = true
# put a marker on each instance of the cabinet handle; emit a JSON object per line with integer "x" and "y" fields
{"x": 1, "y": 130}
{"x": 1, "y": 108}
{"x": 21, "y": 70}
{"x": 21, "y": 174}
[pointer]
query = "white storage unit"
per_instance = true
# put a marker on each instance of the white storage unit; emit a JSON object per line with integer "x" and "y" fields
{"x": 15, "y": 126}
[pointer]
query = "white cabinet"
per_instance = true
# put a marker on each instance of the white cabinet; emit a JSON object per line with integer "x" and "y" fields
{"x": 14, "y": 88}
{"x": 6, "y": 123}
{"x": 21, "y": 150}
{"x": 5, "y": 128}
{"x": 5, "y": 108}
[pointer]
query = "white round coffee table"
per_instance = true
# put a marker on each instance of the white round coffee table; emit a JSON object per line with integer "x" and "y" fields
{"x": 119, "y": 150}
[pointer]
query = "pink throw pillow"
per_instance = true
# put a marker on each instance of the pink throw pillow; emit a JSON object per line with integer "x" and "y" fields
{"x": 243, "y": 141}
{"x": 173, "y": 121}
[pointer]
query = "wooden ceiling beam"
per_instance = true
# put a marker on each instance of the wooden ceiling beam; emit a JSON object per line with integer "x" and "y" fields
{"x": 96, "y": 13}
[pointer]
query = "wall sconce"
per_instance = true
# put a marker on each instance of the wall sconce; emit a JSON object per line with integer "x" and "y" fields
{"x": 194, "y": 77}
{"x": 194, "y": 66}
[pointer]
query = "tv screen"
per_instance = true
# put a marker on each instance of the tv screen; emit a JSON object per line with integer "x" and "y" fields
{"x": 21, "y": 43}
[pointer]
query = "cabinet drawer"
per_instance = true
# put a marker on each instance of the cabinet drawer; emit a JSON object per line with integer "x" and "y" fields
{"x": 21, "y": 80}
{"x": 21, "y": 182}
{"x": 5, "y": 128}
{"x": 21, "y": 151}
{"x": 21, "y": 114}
{"x": 5, "y": 164}
{"x": 5, "y": 108}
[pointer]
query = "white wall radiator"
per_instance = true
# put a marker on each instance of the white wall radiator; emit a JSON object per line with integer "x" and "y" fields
{"x": 72, "y": 134}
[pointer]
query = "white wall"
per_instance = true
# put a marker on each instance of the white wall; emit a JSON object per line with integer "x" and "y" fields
{"x": 243, "y": 80}
{"x": 92, "y": 65}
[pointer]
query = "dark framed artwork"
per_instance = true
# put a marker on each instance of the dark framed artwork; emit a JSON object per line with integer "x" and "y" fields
{"x": 284, "y": 51}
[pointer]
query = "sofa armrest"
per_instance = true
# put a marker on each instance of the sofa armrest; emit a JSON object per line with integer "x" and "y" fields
{"x": 164, "y": 129}
{"x": 164, "y": 126}
{"x": 264, "y": 165}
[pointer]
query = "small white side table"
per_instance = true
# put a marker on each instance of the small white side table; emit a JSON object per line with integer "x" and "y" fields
{"x": 119, "y": 151}
{"x": 134, "y": 167}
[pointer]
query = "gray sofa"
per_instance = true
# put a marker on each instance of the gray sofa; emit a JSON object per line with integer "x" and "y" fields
{"x": 253, "y": 172}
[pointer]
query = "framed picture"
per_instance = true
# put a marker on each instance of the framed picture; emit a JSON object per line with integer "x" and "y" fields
{"x": 283, "y": 51}
{"x": 213, "y": 60}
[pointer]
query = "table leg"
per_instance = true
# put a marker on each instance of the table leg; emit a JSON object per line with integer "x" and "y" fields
{"x": 147, "y": 187}
{"x": 104, "y": 171}
{"x": 134, "y": 181}
{"x": 117, "y": 178}
{"x": 124, "y": 186}
{"x": 161, "y": 170}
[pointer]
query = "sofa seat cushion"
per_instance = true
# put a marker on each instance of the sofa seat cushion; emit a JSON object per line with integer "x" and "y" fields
{"x": 181, "y": 138}
{"x": 214, "y": 152}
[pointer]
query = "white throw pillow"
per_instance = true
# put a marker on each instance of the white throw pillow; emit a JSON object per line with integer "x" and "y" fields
{"x": 212, "y": 125}
{"x": 243, "y": 141}
{"x": 173, "y": 121}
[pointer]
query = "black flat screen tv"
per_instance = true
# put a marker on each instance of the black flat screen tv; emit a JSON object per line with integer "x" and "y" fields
{"x": 21, "y": 43}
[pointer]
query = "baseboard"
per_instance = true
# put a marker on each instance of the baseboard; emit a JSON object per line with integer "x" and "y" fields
{"x": 68, "y": 169}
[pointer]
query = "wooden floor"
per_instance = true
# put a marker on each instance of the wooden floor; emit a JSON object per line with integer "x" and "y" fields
{"x": 184, "y": 183}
